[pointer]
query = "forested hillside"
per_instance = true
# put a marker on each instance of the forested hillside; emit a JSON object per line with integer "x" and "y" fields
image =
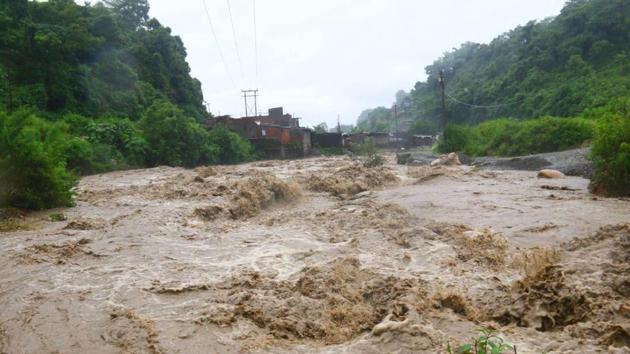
{"x": 61, "y": 57}
{"x": 559, "y": 66}
{"x": 92, "y": 88}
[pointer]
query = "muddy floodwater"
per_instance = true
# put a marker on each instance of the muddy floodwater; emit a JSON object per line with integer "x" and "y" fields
{"x": 319, "y": 255}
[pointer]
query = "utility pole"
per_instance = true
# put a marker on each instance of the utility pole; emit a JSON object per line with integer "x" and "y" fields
{"x": 396, "y": 125}
{"x": 248, "y": 94}
{"x": 338, "y": 125}
{"x": 444, "y": 119}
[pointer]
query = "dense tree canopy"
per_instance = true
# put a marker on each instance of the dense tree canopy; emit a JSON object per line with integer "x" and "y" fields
{"x": 559, "y": 66}
{"x": 61, "y": 57}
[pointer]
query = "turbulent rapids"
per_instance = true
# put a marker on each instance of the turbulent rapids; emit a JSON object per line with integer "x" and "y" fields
{"x": 318, "y": 255}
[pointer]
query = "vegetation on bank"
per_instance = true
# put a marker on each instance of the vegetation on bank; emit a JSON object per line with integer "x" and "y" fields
{"x": 611, "y": 149}
{"x": 606, "y": 129}
{"x": 93, "y": 88}
{"x": 511, "y": 137}
{"x": 40, "y": 160}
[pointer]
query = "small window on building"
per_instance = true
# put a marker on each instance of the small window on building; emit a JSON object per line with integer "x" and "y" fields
{"x": 264, "y": 132}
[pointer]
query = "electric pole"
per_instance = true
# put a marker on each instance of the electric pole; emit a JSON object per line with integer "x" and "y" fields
{"x": 338, "y": 125}
{"x": 444, "y": 119}
{"x": 396, "y": 125}
{"x": 249, "y": 94}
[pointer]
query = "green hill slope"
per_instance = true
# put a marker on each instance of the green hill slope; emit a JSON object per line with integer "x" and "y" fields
{"x": 560, "y": 67}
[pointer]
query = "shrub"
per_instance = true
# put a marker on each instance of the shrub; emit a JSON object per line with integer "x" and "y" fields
{"x": 611, "y": 150}
{"x": 486, "y": 343}
{"x": 129, "y": 147}
{"x": 368, "y": 148}
{"x": 79, "y": 156}
{"x": 33, "y": 173}
{"x": 231, "y": 147}
{"x": 174, "y": 139}
{"x": 458, "y": 138}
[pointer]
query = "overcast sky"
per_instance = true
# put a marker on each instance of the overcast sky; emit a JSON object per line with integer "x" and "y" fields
{"x": 324, "y": 58}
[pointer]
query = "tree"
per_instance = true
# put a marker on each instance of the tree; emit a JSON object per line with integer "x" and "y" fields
{"x": 32, "y": 164}
{"x": 132, "y": 13}
{"x": 174, "y": 139}
{"x": 321, "y": 128}
{"x": 231, "y": 147}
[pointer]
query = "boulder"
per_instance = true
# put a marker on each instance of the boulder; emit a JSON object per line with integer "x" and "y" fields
{"x": 550, "y": 174}
{"x": 447, "y": 160}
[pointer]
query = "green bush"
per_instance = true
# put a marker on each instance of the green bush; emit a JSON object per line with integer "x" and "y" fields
{"x": 33, "y": 171}
{"x": 129, "y": 148}
{"x": 487, "y": 342}
{"x": 174, "y": 139}
{"x": 231, "y": 147}
{"x": 459, "y": 137}
{"x": 509, "y": 137}
{"x": 79, "y": 156}
{"x": 611, "y": 150}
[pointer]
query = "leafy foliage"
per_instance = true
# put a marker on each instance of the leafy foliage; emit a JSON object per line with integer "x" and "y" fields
{"x": 611, "y": 149}
{"x": 94, "y": 60}
{"x": 174, "y": 139}
{"x": 231, "y": 147}
{"x": 32, "y": 163}
{"x": 486, "y": 343}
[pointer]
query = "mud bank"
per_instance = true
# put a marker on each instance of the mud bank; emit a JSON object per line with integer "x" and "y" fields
{"x": 319, "y": 255}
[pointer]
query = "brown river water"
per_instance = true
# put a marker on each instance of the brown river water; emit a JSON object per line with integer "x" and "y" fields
{"x": 319, "y": 255}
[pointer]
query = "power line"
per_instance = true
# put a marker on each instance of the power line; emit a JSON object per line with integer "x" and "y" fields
{"x": 238, "y": 54}
{"x": 216, "y": 40}
{"x": 255, "y": 40}
{"x": 482, "y": 106}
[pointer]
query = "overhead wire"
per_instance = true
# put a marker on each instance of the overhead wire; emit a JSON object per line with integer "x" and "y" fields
{"x": 238, "y": 54}
{"x": 255, "y": 40}
{"x": 216, "y": 40}
{"x": 482, "y": 106}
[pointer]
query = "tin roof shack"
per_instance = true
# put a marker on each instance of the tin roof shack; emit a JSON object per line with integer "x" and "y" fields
{"x": 275, "y": 135}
